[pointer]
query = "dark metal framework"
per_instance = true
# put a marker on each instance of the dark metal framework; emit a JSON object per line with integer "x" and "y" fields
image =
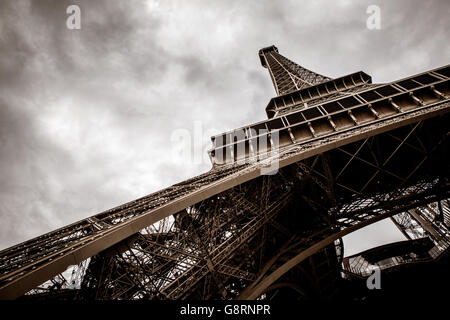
{"x": 350, "y": 153}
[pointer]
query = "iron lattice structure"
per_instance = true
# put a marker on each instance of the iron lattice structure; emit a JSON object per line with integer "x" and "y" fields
{"x": 349, "y": 153}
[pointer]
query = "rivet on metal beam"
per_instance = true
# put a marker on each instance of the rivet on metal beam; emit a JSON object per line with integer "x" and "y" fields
{"x": 373, "y": 110}
{"x": 353, "y": 117}
{"x": 332, "y": 123}
{"x": 396, "y": 106}
{"x": 439, "y": 94}
{"x": 291, "y": 135}
{"x": 311, "y": 129}
{"x": 416, "y": 100}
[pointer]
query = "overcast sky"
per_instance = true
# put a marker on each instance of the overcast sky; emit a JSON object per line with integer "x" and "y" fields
{"x": 87, "y": 116}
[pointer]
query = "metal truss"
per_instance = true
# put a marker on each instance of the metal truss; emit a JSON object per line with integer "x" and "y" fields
{"x": 350, "y": 154}
{"x": 406, "y": 198}
{"x": 379, "y": 104}
{"x": 428, "y": 240}
{"x": 286, "y": 75}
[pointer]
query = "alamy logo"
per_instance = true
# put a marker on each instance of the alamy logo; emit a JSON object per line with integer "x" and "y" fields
{"x": 374, "y": 20}
{"x": 374, "y": 281}
{"x": 240, "y": 147}
{"x": 73, "y": 21}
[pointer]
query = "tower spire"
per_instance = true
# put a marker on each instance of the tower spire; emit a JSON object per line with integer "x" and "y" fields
{"x": 286, "y": 75}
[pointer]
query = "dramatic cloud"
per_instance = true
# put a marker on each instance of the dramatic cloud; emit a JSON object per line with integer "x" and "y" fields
{"x": 87, "y": 116}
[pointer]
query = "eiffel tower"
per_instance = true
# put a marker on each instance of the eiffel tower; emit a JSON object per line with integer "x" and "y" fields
{"x": 267, "y": 221}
